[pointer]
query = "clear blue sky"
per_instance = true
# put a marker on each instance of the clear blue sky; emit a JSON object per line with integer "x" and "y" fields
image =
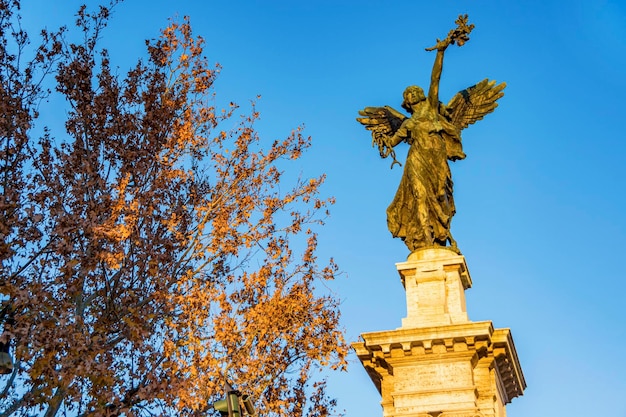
{"x": 539, "y": 198}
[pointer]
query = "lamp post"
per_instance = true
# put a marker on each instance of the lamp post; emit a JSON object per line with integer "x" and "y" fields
{"x": 231, "y": 406}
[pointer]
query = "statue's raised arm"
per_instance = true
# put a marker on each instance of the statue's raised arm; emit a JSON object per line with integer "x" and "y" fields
{"x": 422, "y": 209}
{"x": 458, "y": 36}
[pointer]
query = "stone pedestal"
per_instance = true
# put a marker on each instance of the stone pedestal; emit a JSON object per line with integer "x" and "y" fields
{"x": 435, "y": 281}
{"x": 439, "y": 363}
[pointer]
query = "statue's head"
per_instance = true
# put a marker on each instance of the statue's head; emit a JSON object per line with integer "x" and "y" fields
{"x": 412, "y": 95}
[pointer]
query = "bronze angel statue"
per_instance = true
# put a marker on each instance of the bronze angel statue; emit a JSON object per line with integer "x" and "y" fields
{"x": 422, "y": 209}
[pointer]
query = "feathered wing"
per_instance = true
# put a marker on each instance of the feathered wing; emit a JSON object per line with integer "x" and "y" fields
{"x": 383, "y": 122}
{"x": 474, "y": 103}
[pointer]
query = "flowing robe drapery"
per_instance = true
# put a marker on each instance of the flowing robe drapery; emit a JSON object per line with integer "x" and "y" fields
{"x": 422, "y": 209}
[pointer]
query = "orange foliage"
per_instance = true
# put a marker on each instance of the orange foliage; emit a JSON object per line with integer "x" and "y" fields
{"x": 148, "y": 252}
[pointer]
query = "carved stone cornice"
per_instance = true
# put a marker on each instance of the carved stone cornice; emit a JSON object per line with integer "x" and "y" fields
{"x": 381, "y": 352}
{"x": 508, "y": 364}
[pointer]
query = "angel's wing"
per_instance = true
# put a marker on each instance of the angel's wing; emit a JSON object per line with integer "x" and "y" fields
{"x": 381, "y": 120}
{"x": 474, "y": 103}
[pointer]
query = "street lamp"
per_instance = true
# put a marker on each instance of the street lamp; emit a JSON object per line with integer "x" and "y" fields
{"x": 231, "y": 405}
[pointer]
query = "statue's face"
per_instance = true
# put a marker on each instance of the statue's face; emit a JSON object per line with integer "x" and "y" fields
{"x": 413, "y": 95}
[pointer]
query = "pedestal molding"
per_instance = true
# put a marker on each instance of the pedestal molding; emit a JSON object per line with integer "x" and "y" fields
{"x": 439, "y": 363}
{"x": 381, "y": 352}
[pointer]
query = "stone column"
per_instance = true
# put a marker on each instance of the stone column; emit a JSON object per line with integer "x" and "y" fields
{"x": 439, "y": 363}
{"x": 435, "y": 281}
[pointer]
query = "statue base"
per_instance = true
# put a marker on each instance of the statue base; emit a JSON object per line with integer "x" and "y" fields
{"x": 435, "y": 281}
{"x": 439, "y": 363}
